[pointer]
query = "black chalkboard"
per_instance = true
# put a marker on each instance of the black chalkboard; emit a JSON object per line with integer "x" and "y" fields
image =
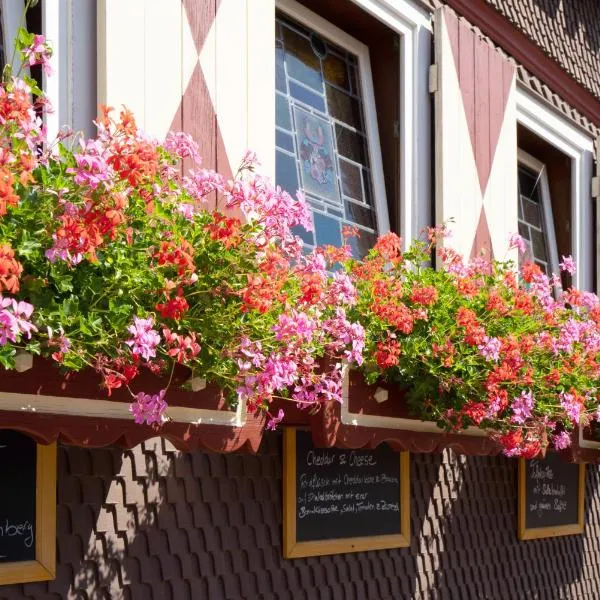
{"x": 345, "y": 495}
{"x": 552, "y": 497}
{"x": 18, "y": 498}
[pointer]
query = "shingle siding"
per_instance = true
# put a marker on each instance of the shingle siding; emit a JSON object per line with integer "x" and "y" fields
{"x": 152, "y": 523}
{"x": 567, "y": 30}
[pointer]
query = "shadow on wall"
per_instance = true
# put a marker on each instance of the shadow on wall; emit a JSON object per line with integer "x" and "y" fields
{"x": 152, "y": 523}
{"x": 479, "y": 548}
{"x": 577, "y": 18}
{"x": 155, "y": 523}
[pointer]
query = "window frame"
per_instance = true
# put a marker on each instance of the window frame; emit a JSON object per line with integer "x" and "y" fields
{"x": 540, "y": 169}
{"x": 414, "y": 25}
{"x": 12, "y": 13}
{"x": 331, "y": 32}
{"x": 564, "y": 135}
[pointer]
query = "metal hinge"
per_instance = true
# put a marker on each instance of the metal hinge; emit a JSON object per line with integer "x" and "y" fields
{"x": 433, "y": 78}
{"x": 595, "y": 187}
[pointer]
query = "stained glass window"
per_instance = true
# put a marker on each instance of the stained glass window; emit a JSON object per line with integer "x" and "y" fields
{"x": 321, "y": 135}
{"x": 533, "y": 227}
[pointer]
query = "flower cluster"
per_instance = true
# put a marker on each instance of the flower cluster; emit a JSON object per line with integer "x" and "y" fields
{"x": 112, "y": 257}
{"x": 478, "y": 344}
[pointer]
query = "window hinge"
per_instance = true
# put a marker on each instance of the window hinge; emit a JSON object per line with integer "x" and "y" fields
{"x": 396, "y": 129}
{"x": 595, "y": 187}
{"x": 433, "y": 78}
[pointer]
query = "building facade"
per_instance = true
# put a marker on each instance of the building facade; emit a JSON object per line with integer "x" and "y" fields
{"x": 389, "y": 115}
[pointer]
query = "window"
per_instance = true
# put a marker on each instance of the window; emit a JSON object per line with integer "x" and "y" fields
{"x": 349, "y": 104}
{"x": 326, "y": 131}
{"x": 536, "y": 223}
{"x": 562, "y": 156}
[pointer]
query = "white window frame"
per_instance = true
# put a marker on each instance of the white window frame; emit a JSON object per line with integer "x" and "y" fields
{"x": 415, "y": 29}
{"x": 565, "y": 136}
{"x": 12, "y": 14}
{"x": 334, "y": 34}
{"x": 539, "y": 168}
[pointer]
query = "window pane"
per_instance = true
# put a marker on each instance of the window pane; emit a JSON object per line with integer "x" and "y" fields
{"x": 321, "y": 105}
{"x": 336, "y": 71}
{"x": 350, "y": 144}
{"x": 343, "y": 107}
{"x": 360, "y": 215}
{"x": 301, "y": 61}
{"x": 351, "y": 180}
{"x": 299, "y": 92}
{"x": 328, "y": 230}
{"x": 286, "y": 174}
{"x": 360, "y": 246}
{"x": 282, "y": 112}
{"x": 315, "y": 146}
{"x": 284, "y": 140}
{"x": 532, "y": 226}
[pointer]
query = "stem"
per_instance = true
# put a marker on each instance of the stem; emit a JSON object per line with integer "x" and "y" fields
{"x": 24, "y": 26}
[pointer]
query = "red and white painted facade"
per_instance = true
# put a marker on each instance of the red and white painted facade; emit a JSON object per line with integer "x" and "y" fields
{"x": 208, "y": 68}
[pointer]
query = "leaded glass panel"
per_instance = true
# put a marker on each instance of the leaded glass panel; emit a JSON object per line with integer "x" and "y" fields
{"x": 321, "y": 138}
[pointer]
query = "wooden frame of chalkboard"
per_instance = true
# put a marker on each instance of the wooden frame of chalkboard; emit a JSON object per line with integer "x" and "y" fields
{"x": 525, "y": 533}
{"x": 43, "y": 568}
{"x": 292, "y": 548}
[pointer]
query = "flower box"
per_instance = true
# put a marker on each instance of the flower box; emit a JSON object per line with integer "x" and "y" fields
{"x": 48, "y": 404}
{"x": 372, "y": 414}
{"x": 586, "y": 444}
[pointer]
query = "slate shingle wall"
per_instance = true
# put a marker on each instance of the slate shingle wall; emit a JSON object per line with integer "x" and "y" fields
{"x": 152, "y": 523}
{"x": 567, "y": 30}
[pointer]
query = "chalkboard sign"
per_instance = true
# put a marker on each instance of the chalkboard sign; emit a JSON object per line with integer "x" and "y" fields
{"x": 339, "y": 500}
{"x": 551, "y": 497}
{"x": 27, "y": 509}
{"x": 17, "y": 508}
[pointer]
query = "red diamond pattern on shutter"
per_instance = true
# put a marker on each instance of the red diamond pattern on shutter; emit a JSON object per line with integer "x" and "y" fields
{"x": 197, "y": 114}
{"x": 476, "y": 146}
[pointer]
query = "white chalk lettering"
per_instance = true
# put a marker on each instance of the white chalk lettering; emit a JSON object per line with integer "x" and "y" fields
{"x": 23, "y": 530}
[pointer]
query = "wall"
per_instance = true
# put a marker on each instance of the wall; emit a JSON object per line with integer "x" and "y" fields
{"x": 567, "y": 30}
{"x": 153, "y": 523}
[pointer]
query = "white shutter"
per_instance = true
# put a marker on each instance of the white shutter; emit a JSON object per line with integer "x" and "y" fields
{"x": 206, "y": 68}
{"x": 476, "y": 139}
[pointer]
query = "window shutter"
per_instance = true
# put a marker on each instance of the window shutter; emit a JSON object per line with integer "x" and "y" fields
{"x": 206, "y": 68}
{"x": 476, "y": 139}
{"x": 596, "y": 198}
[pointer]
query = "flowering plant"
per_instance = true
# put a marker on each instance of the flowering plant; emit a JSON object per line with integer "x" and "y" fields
{"x": 475, "y": 344}
{"x": 112, "y": 258}
{"x": 120, "y": 253}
